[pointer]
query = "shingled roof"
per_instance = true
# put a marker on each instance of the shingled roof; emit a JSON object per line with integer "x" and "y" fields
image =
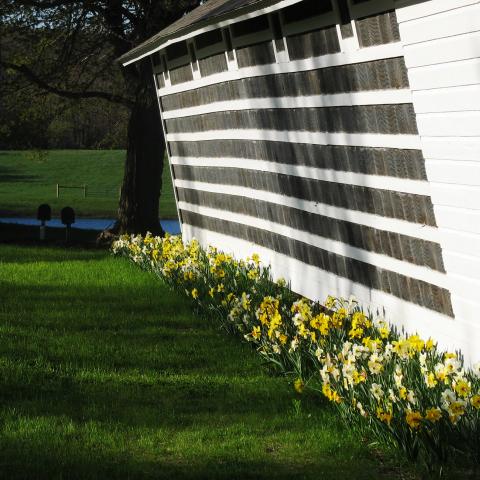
{"x": 212, "y": 11}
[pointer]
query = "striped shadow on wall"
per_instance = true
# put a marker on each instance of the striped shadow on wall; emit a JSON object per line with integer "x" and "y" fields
{"x": 240, "y": 140}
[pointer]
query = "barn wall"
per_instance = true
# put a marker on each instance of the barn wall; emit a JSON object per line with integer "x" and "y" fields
{"x": 297, "y": 136}
{"x": 442, "y": 52}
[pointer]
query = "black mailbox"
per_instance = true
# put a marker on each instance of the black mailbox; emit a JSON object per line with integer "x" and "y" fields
{"x": 44, "y": 213}
{"x": 67, "y": 215}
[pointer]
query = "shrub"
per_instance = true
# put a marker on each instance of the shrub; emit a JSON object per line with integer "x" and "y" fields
{"x": 398, "y": 387}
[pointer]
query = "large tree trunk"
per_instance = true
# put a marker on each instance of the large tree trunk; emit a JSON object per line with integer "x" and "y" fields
{"x": 138, "y": 210}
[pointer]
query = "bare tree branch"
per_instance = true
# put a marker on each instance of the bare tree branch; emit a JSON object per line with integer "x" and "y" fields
{"x": 31, "y": 76}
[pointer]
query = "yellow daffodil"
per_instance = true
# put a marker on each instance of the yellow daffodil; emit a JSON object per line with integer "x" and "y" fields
{"x": 463, "y": 388}
{"x": 475, "y": 401}
{"x": 384, "y": 416}
{"x": 256, "y": 333}
{"x": 414, "y": 419}
{"x": 299, "y": 385}
{"x": 433, "y": 415}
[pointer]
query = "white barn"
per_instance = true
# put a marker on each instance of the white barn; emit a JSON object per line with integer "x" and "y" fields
{"x": 339, "y": 139}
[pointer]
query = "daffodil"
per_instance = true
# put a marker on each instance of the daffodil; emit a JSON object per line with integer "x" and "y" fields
{"x": 463, "y": 388}
{"x": 475, "y": 401}
{"x": 414, "y": 419}
{"x": 384, "y": 416}
{"x": 377, "y": 391}
{"x": 299, "y": 385}
{"x": 433, "y": 415}
{"x": 256, "y": 333}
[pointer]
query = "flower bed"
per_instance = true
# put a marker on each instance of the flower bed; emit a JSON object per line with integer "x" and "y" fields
{"x": 398, "y": 387}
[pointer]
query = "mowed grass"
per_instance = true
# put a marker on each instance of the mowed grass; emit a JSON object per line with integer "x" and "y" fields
{"x": 28, "y": 180}
{"x": 104, "y": 373}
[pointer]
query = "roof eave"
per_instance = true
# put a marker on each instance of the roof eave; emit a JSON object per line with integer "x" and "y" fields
{"x": 151, "y": 46}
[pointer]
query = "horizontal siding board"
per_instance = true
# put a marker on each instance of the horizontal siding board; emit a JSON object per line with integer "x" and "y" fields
{"x": 451, "y": 124}
{"x": 382, "y": 74}
{"x": 394, "y": 225}
{"x": 327, "y": 175}
{"x": 416, "y": 291}
{"x": 460, "y": 196}
{"x": 401, "y": 247}
{"x": 371, "y": 97}
{"x": 455, "y": 172}
{"x": 447, "y": 24}
{"x": 459, "y": 241}
{"x": 428, "y": 8}
{"x": 373, "y": 140}
{"x": 452, "y": 99}
{"x": 452, "y": 148}
{"x": 450, "y": 49}
{"x": 452, "y": 74}
{"x": 386, "y": 119}
{"x": 373, "y": 161}
{"x": 464, "y": 266}
{"x": 459, "y": 219}
{"x": 409, "y": 207}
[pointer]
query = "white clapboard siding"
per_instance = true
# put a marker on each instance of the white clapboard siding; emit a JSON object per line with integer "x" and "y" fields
{"x": 442, "y": 25}
{"x": 450, "y": 49}
{"x": 460, "y": 241}
{"x": 461, "y": 196}
{"x": 451, "y": 99}
{"x": 441, "y": 41}
{"x": 451, "y": 148}
{"x": 454, "y": 172}
{"x": 418, "y": 10}
{"x": 460, "y": 219}
{"x": 317, "y": 284}
{"x": 451, "y": 74}
{"x": 462, "y": 265}
{"x": 449, "y": 124}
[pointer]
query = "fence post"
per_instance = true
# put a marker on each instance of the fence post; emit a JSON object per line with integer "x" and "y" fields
{"x": 58, "y": 191}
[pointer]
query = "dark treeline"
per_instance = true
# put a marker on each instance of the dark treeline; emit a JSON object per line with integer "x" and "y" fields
{"x": 47, "y": 122}
{"x": 31, "y": 118}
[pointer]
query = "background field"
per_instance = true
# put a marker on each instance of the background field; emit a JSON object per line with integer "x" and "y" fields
{"x": 28, "y": 179}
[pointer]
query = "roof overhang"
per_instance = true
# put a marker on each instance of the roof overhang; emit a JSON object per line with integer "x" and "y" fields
{"x": 159, "y": 42}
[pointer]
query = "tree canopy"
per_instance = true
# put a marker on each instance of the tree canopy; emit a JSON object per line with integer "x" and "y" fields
{"x": 69, "y": 48}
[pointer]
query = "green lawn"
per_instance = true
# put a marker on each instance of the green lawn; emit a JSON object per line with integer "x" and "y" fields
{"x": 27, "y": 180}
{"x": 104, "y": 373}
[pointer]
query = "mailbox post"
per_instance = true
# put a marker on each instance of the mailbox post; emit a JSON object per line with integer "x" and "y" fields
{"x": 44, "y": 214}
{"x": 67, "y": 216}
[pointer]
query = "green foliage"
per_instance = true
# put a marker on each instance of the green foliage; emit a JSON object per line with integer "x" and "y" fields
{"x": 105, "y": 373}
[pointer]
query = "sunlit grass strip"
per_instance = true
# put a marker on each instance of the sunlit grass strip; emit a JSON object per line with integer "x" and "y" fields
{"x": 400, "y": 387}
